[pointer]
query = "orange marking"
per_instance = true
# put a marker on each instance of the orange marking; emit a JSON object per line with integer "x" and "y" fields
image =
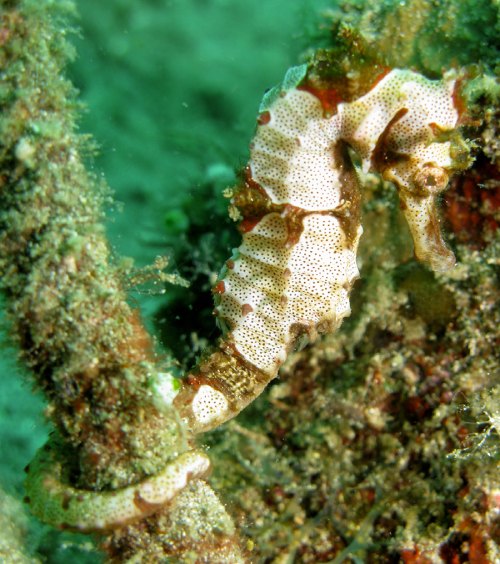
{"x": 292, "y": 238}
{"x": 329, "y": 97}
{"x": 264, "y": 118}
{"x": 246, "y": 309}
{"x": 385, "y": 71}
{"x": 459, "y": 102}
{"x": 436, "y": 130}
{"x": 251, "y": 183}
{"x": 248, "y": 224}
{"x": 194, "y": 381}
{"x": 219, "y": 288}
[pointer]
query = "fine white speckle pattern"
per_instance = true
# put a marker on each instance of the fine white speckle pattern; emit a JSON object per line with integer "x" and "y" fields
{"x": 427, "y": 103}
{"x": 208, "y": 405}
{"x": 305, "y": 284}
{"x": 286, "y": 279}
{"x": 291, "y": 156}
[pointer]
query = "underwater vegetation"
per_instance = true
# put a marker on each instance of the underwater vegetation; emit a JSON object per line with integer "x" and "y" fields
{"x": 376, "y": 443}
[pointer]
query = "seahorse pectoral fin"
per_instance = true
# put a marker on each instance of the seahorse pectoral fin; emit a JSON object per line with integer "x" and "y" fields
{"x": 422, "y": 217}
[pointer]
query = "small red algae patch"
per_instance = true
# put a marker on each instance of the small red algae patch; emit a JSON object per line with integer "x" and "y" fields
{"x": 472, "y": 206}
{"x": 413, "y": 556}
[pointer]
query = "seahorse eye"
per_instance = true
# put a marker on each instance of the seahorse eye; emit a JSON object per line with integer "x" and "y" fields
{"x": 434, "y": 178}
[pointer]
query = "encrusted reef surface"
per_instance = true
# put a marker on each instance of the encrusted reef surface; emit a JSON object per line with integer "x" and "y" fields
{"x": 379, "y": 443}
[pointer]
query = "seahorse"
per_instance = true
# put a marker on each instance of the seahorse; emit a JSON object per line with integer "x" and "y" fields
{"x": 300, "y": 222}
{"x": 292, "y": 274}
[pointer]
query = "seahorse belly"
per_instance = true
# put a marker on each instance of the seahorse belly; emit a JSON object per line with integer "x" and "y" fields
{"x": 275, "y": 290}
